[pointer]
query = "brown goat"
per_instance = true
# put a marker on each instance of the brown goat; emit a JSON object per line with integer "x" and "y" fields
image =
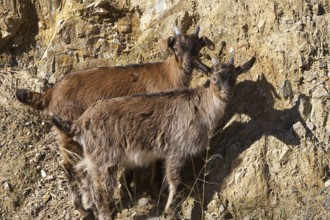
{"x": 137, "y": 130}
{"x": 71, "y": 96}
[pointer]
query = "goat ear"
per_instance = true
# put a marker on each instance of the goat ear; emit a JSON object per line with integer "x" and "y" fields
{"x": 164, "y": 44}
{"x": 201, "y": 66}
{"x": 207, "y": 42}
{"x": 246, "y": 66}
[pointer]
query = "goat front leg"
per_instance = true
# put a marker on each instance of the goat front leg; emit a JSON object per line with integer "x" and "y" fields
{"x": 173, "y": 167}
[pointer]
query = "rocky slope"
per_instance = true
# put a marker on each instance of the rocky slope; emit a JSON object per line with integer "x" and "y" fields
{"x": 269, "y": 158}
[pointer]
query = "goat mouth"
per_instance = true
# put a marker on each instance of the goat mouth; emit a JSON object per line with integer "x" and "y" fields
{"x": 188, "y": 71}
{"x": 225, "y": 97}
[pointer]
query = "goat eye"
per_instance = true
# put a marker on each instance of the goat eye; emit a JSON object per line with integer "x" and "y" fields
{"x": 214, "y": 79}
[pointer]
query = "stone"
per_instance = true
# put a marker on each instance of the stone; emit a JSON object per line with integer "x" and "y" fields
{"x": 286, "y": 89}
{"x": 327, "y": 183}
{"x": 101, "y": 12}
{"x": 318, "y": 9}
{"x": 261, "y": 25}
{"x": 310, "y": 125}
{"x": 327, "y": 124}
{"x": 320, "y": 92}
{"x": 309, "y": 76}
{"x": 231, "y": 51}
{"x": 245, "y": 28}
{"x": 101, "y": 3}
{"x": 326, "y": 203}
{"x": 39, "y": 157}
{"x": 46, "y": 197}
{"x": 43, "y": 173}
{"x": 7, "y": 186}
{"x": 125, "y": 28}
{"x": 304, "y": 61}
{"x": 92, "y": 30}
{"x": 11, "y": 19}
{"x": 305, "y": 107}
{"x": 322, "y": 64}
{"x": 213, "y": 206}
{"x": 221, "y": 208}
{"x": 143, "y": 201}
{"x": 299, "y": 129}
{"x": 298, "y": 26}
{"x": 283, "y": 152}
{"x": 50, "y": 177}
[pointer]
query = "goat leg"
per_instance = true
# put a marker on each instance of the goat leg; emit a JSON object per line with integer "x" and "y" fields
{"x": 173, "y": 168}
{"x": 104, "y": 184}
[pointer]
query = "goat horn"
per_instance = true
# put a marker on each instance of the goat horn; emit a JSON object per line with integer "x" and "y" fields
{"x": 214, "y": 61}
{"x": 231, "y": 61}
{"x": 196, "y": 31}
{"x": 177, "y": 30}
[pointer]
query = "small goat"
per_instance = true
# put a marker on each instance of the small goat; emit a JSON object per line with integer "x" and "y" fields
{"x": 71, "y": 96}
{"x": 137, "y": 130}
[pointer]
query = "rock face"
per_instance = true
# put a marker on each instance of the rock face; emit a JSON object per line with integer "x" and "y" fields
{"x": 269, "y": 158}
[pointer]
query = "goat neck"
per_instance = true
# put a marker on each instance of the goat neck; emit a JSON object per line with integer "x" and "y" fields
{"x": 178, "y": 78}
{"x": 210, "y": 106}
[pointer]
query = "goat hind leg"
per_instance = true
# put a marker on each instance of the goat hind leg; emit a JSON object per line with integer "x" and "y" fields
{"x": 173, "y": 168}
{"x": 86, "y": 194}
{"x": 105, "y": 185}
{"x": 71, "y": 153}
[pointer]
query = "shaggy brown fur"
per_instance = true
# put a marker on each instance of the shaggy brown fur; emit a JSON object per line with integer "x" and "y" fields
{"x": 137, "y": 130}
{"x": 70, "y": 97}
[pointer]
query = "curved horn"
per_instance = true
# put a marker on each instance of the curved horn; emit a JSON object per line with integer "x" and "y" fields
{"x": 231, "y": 61}
{"x": 196, "y": 31}
{"x": 177, "y": 30}
{"x": 214, "y": 61}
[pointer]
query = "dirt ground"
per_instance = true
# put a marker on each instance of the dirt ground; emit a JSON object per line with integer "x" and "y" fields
{"x": 269, "y": 158}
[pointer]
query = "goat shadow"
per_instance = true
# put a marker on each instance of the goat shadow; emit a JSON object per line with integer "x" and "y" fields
{"x": 254, "y": 103}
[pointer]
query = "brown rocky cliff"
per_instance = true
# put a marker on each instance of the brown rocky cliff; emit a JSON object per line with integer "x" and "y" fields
{"x": 270, "y": 161}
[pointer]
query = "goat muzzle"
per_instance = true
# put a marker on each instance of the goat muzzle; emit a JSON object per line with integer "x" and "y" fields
{"x": 226, "y": 95}
{"x": 188, "y": 68}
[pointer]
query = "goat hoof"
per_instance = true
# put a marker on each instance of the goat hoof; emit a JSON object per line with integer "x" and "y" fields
{"x": 169, "y": 214}
{"x": 88, "y": 215}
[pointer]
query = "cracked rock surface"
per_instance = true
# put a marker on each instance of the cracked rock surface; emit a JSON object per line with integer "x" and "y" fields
{"x": 269, "y": 158}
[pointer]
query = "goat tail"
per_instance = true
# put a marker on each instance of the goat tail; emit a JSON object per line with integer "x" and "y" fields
{"x": 65, "y": 126}
{"x": 36, "y": 100}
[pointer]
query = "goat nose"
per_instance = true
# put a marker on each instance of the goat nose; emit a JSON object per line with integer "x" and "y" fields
{"x": 188, "y": 66}
{"x": 228, "y": 93}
